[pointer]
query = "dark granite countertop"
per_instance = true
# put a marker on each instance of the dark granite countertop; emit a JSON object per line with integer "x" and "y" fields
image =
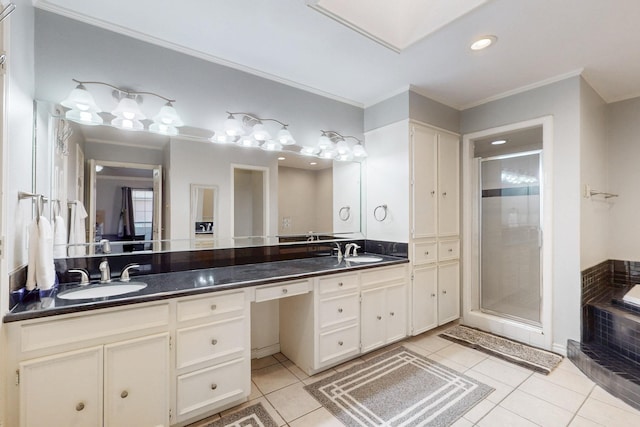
{"x": 192, "y": 282}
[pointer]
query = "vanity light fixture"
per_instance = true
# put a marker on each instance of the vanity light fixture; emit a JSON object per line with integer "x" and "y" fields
{"x": 83, "y": 109}
{"x": 483, "y": 42}
{"x": 259, "y": 137}
{"x": 333, "y": 145}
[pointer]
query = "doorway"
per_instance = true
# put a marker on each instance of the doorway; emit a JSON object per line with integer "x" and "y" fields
{"x": 507, "y": 269}
{"x": 249, "y": 216}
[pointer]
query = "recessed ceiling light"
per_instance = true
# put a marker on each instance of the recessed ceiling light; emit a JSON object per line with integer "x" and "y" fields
{"x": 483, "y": 42}
{"x": 282, "y": 158}
{"x": 499, "y": 142}
{"x": 313, "y": 163}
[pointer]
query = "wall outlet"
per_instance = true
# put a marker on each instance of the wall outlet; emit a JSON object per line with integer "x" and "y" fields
{"x": 286, "y": 222}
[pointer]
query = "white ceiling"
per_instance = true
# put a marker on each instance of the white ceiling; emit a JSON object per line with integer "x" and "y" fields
{"x": 539, "y": 41}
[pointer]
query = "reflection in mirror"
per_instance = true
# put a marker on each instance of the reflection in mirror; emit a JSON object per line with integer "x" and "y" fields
{"x": 250, "y": 215}
{"x": 178, "y": 162}
{"x": 203, "y": 215}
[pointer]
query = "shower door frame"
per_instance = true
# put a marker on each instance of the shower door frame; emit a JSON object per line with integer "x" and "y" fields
{"x": 536, "y": 335}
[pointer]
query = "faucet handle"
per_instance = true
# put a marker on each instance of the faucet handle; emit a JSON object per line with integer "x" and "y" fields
{"x": 84, "y": 276}
{"x": 355, "y": 247}
{"x": 124, "y": 276}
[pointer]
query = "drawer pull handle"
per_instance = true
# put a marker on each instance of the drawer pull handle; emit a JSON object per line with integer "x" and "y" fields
{"x": 392, "y": 313}
{"x": 214, "y": 386}
{"x": 379, "y": 317}
{"x": 284, "y": 291}
{"x": 124, "y": 394}
{"x": 213, "y": 307}
{"x": 340, "y": 284}
{"x": 339, "y": 310}
{"x": 80, "y": 406}
{"x": 214, "y": 341}
{"x": 340, "y": 343}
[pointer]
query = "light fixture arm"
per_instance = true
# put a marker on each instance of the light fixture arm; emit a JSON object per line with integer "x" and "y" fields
{"x": 333, "y": 135}
{"x": 125, "y": 91}
{"x": 258, "y": 119}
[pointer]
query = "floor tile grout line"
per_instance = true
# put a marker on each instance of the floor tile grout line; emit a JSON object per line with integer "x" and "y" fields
{"x": 581, "y": 405}
{"x": 505, "y": 397}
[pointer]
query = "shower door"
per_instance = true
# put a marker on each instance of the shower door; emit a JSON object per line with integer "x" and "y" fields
{"x": 511, "y": 236}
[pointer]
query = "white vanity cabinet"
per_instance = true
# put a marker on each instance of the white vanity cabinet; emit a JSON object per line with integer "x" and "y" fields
{"x": 104, "y": 368}
{"x": 212, "y": 353}
{"x": 384, "y": 307}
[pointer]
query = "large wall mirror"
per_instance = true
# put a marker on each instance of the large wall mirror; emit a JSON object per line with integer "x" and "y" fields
{"x": 293, "y": 198}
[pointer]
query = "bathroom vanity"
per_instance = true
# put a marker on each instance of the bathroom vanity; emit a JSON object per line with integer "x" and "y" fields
{"x": 179, "y": 350}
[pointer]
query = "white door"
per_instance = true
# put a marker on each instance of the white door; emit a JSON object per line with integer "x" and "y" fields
{"x": 396, "y": 312}
{"x": 62, "y": 390}
{"x": 448, "y": 292}
{"x": 448, "y": 185}
{"x": 425, "y": 299}
{"x": 373, "y": 318}
{"x": 137, "y": 382}
{"x": 425, "y": 175}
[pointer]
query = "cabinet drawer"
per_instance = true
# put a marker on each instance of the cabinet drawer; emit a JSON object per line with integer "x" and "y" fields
{"x": 332, "y": 284}
{"x": 51, "y": 333}
{"x": 339, "y": 309}
{"x": 425, "y": 253}
{"x": 212, "y": 387}
{"x": 288, "y": 289}
{"x": 207, "y": 307}
{"x": 213, "y": 341}
{"x": 377, "y": 276}
{"x": 448, "y": 249}
{"x": 338, "y": 344}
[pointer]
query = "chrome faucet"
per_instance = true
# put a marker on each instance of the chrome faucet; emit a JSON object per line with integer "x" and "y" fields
{"x": 105, "y": 272}
{"x": 339, "y": 251}
{"x": 351, "y": 247}
{"x": 124, "y": 276}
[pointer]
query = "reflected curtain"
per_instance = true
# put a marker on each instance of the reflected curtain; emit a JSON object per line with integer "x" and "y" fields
{"x": 126, "y": 215}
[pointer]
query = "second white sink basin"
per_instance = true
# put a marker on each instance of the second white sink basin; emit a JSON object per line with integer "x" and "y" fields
{"x": 364, "y": 258}
{"x": 101, "y": 291}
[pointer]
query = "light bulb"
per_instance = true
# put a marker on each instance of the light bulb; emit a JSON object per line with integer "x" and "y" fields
{"x": 309, "y": 151}
{"x": 260, "y": 133}
{"x": 271, "y": 145}
{"x": 233, "y": 127}
{"x": 168, "y": 116}
{"x": 128, "y": 109}
{"x": 359, "y": 151}
{"x": 81, "y": 99}
{"x": 285, "y": 138}
{"x": 324, "y": 142}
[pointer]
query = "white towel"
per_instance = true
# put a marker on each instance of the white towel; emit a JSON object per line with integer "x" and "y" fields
{"x": 59, "y": 237}
{"x": 77, "y": 230}
{"x": 40, "y": 271}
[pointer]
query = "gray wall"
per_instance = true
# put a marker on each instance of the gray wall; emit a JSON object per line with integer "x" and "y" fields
{"x": 66, "y": 49}
{"x": 562, "y": 101}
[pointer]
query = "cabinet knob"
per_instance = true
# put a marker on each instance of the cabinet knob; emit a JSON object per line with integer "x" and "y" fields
{"x": 340, "y": 343}
{"x": 444, "y": 194}
{"x": 339, "y": 310}
{"x": 426, "y": 252}
{"x": 450, "y": 250}
{"x": 80, "y": 406}
{"x": 444, "y": 292}
{"x": 213, "y": 307}
{"x": 214, "y": 386}
{"x": 124, "y": 394}
{"x": 284, "y": 291}
{"x": 214, "y": 341}
{"x": 433, "y": 192}
{"x": 340, "y": 284}
{"x": 433, "y": 295}
{"x": 392, "y": 313}
{"x": 379, "y": 317}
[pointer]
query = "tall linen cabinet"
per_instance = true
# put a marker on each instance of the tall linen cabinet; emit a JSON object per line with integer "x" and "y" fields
{"x": 413, "y": 170}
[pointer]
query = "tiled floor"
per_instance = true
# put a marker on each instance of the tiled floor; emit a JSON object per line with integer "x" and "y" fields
{"x": 566, "y": 397}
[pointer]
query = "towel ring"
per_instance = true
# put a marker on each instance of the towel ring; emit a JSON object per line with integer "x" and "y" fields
{"x": 378, "y": 216}
{"x": 344, "y": 213}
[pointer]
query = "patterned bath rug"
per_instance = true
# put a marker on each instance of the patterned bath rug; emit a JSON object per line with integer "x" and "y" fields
{"x": 512, "y": 351}
{"x": 251, "y": 416}
{"x": 398, "y": 388}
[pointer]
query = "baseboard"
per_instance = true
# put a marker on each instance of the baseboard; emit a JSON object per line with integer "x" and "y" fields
{"x": 560, "y": 349}
{"x": 258, "y": 353}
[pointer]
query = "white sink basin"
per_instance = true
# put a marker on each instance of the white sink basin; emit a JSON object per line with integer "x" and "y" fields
{"x": 364, "y": 258}
{"x": 101, "y": 291}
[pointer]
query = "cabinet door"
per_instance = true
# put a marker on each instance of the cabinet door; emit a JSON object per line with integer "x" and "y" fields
{"x": 396, "y": 312}
{"x": 424, "y": 299}
{"x": 373, "y": 318}
{"x": 425, "y": 191}
{"x": 449, "y": 292}
{"x": 62, "y": 390}
{"x": 137, "y": 382}
{"x": 449, "y": 185}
